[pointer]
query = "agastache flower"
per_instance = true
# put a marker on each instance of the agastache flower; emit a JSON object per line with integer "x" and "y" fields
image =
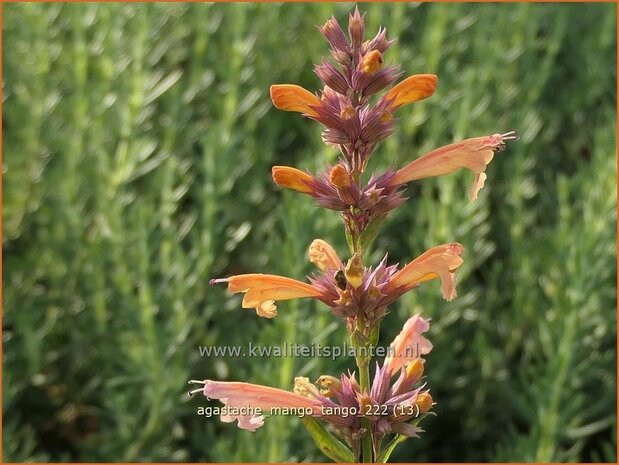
{"x": 441, "y": 261}
{"x": 365, "y": 292}
{"x": 474, "y": 154}
{"x": 292, "y": 178}
{"x": 337, "y": 190}
{"x": 409, "y": 345}
{"x": 339, "y": 401}
{"x": 412, "y": 89}
{"x": 390, "y": 406}
{"x": 354, "y": 123}
{"x": 371, "y": 62}
{"x": 246, "y": 397}
{"x": 290, "y": 97}
{"x": 353, "y": 290}
{"x": 262, "y": 290}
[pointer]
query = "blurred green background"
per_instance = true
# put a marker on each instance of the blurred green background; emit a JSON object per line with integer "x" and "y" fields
{"x": 138, "y": 142}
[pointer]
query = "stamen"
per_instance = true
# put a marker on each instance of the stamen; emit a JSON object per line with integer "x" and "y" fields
{"x": 196, "y": 381}
{"x": 212, "y": 282}
{"x": 511, "y": 135}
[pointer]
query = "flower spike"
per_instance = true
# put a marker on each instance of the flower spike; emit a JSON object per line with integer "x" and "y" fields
{"x": 354, "y": 123}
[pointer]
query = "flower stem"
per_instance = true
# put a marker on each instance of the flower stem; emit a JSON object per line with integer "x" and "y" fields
{"x": 363, "y": 364}
{"x": 366, "y": 440}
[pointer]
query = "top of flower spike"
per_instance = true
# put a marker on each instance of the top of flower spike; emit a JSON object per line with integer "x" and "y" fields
{"x": 341, "y": 48}
{"x": 357, "y": 72}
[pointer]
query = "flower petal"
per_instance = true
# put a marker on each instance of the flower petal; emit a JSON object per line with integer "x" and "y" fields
{"x": 262, "y": 290}
{"x": 324, "y": 256}
{"x": 409, "y": 344}
{"x": 474, "y": 154}
{"x": 441, "y": 261}
{"x": 292, "y": 178}
{"x": 253, "y": 398}
{"x": 412, "y": 89}
{"x": 239, "y": 394}
{"x": 290, "y": 97}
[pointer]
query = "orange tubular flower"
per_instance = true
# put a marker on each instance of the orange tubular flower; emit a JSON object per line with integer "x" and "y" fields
{"x": 245, "y": 402}
{"x": 412, "y": 89}
{"x": 474, "y": 154}
{"x": 290, "y": 97}
{"x": 292, "y": 178}
{"x": 438, "y": 262}
{"x": 408, "y": 347}
{"x": 262, "y": 290}
{"x": 324, "y": 256}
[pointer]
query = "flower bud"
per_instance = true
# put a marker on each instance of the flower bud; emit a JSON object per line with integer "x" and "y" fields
{"x": 339, "y": 177}
{"x": 354, "y": 271}
{"x": 323, "y": 256}
{"x": 414, "y": 371}
{"x": 348, "y": 112}
{"x": 292, "y": 178}
{"x": 290, "y": 97}
{"x": 424, "y": 402}
{"x": 365, "y": 403}
{"x": 335, "y": 36}
{"x": 371, "y": 62}
{"x": 329, "y": 385}
{"x": 356, "y": 29}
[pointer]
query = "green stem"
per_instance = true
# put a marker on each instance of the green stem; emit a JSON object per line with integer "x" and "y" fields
{"x": 366, "y": 440}
{"x": 363, "y": 364}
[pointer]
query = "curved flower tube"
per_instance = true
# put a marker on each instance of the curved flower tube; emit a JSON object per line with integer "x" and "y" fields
{"x": 412, "y": 89}
{"x": 292, "y": 178}
{"x": 474, "y": 154}
{"x": 409, "y": 345}
{"x": 262, "y": 290}
{"x": 439, "y": 262}
{"x": 290, "y": 97}
{"x": 244, "y": 402}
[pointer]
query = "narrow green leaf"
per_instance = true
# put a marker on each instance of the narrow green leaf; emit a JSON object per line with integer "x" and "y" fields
{"x": 351, "y": 241}
{"x": 326, "y": 442}
{"x": 389, "y": 448}
{"x": 369, "y": 233}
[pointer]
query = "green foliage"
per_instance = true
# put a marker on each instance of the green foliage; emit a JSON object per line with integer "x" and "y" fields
{"x": 138, "y": 141}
